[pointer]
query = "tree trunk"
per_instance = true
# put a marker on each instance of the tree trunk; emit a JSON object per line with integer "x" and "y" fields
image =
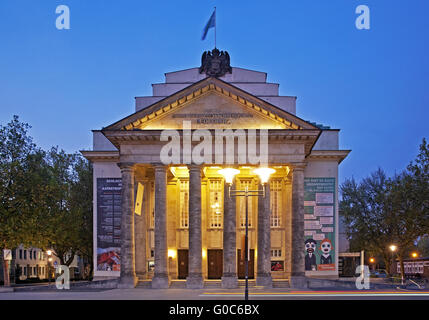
{"x": 401, "y": 263}
{"x": 6, "y": 278}
{"x": 388, "y": 262}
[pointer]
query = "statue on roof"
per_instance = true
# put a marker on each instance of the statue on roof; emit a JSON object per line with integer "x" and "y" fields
{"x": 215, "y": 63}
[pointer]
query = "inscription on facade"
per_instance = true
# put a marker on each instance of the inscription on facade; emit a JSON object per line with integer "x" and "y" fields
{"x": 212, "y": 118}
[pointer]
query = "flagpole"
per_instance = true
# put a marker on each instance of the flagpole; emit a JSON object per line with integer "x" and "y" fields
{"x": 215, "y": 26}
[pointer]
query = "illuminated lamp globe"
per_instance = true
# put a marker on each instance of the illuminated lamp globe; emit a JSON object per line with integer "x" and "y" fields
{"x": 264, "y": 174}
{"x": 229, "y": 174}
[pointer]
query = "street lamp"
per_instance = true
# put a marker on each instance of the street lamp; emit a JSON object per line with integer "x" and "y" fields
{"x": 264, "y": 175}
{"x": 414, "y": 255}
{"x": 393, "y": 248}
{"x": 372, "y": 261}
{"x": 49, "y": 252}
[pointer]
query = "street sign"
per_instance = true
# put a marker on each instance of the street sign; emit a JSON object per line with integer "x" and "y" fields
{"x": 7, "y": 255}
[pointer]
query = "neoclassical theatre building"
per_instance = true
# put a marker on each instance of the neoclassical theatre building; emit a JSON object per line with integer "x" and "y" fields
{"x": 164, "y": 213}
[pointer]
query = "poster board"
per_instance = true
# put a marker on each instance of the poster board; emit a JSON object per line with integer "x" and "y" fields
{"x": 319, "y": 224}
{"x": 109, "y": 224}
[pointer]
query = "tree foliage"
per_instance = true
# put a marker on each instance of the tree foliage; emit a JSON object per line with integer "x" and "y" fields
{"x": 45, "y": 196}
{"x": 381, "y": 211}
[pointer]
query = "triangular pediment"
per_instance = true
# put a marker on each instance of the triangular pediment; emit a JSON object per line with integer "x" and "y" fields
{"x": 210, "y": 104}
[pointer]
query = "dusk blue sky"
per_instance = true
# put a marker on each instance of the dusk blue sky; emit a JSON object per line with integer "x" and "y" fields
{"x": 371, "y": 84}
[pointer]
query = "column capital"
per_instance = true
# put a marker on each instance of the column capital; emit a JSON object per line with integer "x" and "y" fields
{"x": 126, "y": 165}
{"x": 159, "y": 167}
{"x": 298, "y": 166}
{"x": 194, "y": 167}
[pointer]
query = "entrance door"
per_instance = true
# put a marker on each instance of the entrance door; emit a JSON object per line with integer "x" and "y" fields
{"x": 215, "y": 263}
{"x": 242, "y": 267}
{"x": 182, "y": 259}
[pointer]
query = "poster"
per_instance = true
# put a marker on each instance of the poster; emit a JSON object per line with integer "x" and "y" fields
{"x": 277, "y": 266}
{"x": 109, "y": 224}
{"x": 319, "y": 224}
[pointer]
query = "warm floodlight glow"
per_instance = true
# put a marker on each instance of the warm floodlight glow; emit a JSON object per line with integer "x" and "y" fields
{"x": 372, "y": 260}
{"x": 229, "y": 174}
{"x": 171, "y": 253}
{"x": 264, "y": 174}
{"x": 49, "y": 252}
{"x": 393, "y": 248}
{"x": 414, "y": 255}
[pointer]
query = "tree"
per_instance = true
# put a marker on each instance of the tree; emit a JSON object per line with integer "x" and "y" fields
{"x": 45, "y": 197}
{"x": 20, "y": 161}
{"x": 382, "y": 211}
{"x": 62, "y": 221}
{"x": 81, "y": 201}
{"x": 363, "y": 210}
{"x": 70, "y": 214}
{"x": 423, "y": 246}
{"x": 405, "y": 215}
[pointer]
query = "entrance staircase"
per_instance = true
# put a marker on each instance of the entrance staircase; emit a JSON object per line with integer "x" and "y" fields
{"x": 211, "y": 284}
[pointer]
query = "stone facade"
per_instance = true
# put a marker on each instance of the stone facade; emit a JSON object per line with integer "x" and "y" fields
{"x": 190, "y": 227}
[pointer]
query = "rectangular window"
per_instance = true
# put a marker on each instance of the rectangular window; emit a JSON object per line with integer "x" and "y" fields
{"x": 276, "y": 253}
{"x": 184, "y": 204}
{"x": 276, "y": 203}
{"x": 20, "y": 253}
{"x": 31, "y": 254}
{"x": 215, "y": 203}
{"x": 242, "y": 203}
{"x": 25, "y": 254}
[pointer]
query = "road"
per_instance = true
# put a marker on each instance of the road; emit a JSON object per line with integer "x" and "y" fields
{"x": 215, "y": 294}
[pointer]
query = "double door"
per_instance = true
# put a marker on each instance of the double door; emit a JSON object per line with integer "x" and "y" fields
{"x": 241, "y": 266}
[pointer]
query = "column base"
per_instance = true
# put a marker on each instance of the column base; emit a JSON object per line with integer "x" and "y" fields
{"x": 127, "y": 282}
{"x": 195, "y": 281}
{"x": 141, "y": 276}
{"x": 160, "y": 282}
{"x": 298, "y": 282}
{"x": 229, "y": 282}
{"x": 264, "y": 280}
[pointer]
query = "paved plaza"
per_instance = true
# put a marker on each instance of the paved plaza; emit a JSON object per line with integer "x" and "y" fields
{"x": 212, "y": 294}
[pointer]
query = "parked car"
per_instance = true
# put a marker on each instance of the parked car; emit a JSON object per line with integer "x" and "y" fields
{"x": 379, "y": 273}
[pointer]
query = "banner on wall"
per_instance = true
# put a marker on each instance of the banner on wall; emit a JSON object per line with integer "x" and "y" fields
{"x": 319, "y": 224}
{"x": 109, "y": 224}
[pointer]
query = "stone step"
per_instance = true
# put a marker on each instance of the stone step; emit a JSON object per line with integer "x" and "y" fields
{"x": 242, "y": 283}
{"x": 144, "y": 284}
{"x": 178, "y": 284}
{"x": 281, "y": 283}
{"x": 212, "y": 284}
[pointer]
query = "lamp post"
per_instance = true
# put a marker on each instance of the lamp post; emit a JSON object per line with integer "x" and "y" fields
{"x": 264, "y": 175}
{"x": 372, "y": 261}
{"x": 49, "y": 252}
{"x": 393, "y": 249}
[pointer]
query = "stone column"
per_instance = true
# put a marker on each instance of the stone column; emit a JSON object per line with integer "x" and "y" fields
{"x": 160, "y": 279}
{"x": 229, "y": 278}
{"x": 128, "y": 277}
{"x": 195, "y": 277}
{"x": 140, "y": 235}
{"x": 263, "y": 275}
{"x": 297, "y": 279}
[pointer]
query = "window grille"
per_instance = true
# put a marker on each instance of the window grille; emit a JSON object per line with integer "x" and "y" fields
{"x": 216, "y": 203}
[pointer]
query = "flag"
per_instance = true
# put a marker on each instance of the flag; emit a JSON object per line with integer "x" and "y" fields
{"x": 210, "y": 24}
